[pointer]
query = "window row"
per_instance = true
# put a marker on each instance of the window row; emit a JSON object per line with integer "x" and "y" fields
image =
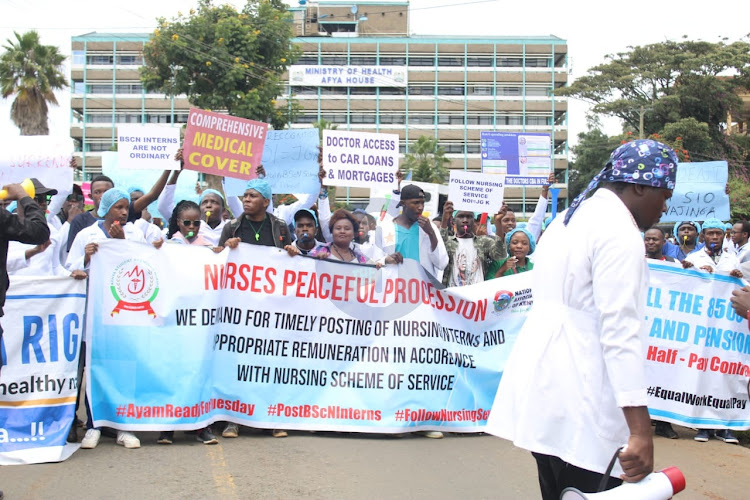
{"x": 450, "y": 90}
{"x": 136, "y": 118}
{"x": 428, "y": 61}
{"x": 80, "y": 57}
{"x": 426, "y": 119}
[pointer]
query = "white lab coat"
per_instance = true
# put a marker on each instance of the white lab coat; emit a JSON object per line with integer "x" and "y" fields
{"x": 728, "y": 261}
{"x": 95, "y": 233}
{"x": 580, "y": 355}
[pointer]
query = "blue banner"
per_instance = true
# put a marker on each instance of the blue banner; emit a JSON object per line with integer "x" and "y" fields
{"x": 699, "y": 193}
{"x": 43, "y": 326}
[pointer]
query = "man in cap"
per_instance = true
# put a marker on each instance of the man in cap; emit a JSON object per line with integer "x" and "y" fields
{"x": 257, "y": 227}
{"x": 305, "y": 227}
{"x": 31, "y": 229}
{"x": 580, "y": 354}
{"x": 411, "y": 235}
{"x": 686, "y": 234}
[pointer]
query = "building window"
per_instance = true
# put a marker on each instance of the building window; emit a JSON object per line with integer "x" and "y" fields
{"x": 482, "y": 62}
{"x": 308, "y": 60}
{"x": 451, "y": 91}
{"x": 449, "y": 119}
{"x": 79, "y": 87}
{"x": 538, "y": 62}
{"x": 333, "y": 60}
{"x": 305, "y": 90}
{"x": 133, "y": 60}
{"x": 451, "y": 61}
{"x": 362, "y": 61}
{"x": 538, "y": 120}
{"x": 79, "y": 57}
{"x": 422, "y": 90}
{"x": 537, "y": 91}
{"x": 509, "y": 91}
{"x": 421, "y": 119}
{"x": 393, "y": 61}
{"x": 358, "y": 118}
{"x": 481, "y": 90}
{"x": 392, "y": 119}
{"x": 100, "y": 60}
{"x": 421, "y": 61}
{"x": 509, "y": 62}
{"x": 392, "y": 91}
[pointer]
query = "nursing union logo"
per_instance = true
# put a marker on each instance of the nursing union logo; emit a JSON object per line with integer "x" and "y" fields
{"x": 135, "y": 285}
{"x": 503, "y": 299}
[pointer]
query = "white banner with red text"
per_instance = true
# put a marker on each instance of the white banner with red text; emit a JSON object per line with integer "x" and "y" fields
{"x": 182, "y": 337}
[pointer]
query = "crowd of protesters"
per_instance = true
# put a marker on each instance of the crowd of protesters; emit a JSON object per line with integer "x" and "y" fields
{"x": 459, "y": 248}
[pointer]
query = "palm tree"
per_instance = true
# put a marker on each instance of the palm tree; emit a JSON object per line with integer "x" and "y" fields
{"x": 426, "y": 161}
{"x": 32, "y": 72}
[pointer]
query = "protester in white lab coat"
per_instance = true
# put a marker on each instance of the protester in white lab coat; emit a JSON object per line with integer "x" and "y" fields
{"x": 574, "y": 388}
{"x": 712, "y": 257}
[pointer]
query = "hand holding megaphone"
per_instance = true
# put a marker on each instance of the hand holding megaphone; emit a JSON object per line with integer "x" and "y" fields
{"x": 18, "y": 191}
{"x": 660, "y": 485}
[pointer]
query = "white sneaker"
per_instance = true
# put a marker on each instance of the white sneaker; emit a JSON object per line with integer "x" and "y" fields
{"x": 231, "y": 431}
{"x": 433, "y": 434}
{"x": 128, "y": 439}
{"x": 91, "y": 439}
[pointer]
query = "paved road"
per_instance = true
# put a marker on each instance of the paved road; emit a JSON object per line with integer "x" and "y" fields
{"x": 328, "y": 465}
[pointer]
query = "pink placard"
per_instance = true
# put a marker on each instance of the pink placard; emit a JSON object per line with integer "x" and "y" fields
{"x": 223, "y": 145}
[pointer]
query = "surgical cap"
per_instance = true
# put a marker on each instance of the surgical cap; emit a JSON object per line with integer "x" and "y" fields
{"x": 713, "y": 224}
{"x": 521, "y": 229}
{"x": 133, "y": 189}
{"x": 109, "y": 198}
{"x": 210, "y": 191}
{"x": 644, "y": 161}
{"x": 260, "y": 186}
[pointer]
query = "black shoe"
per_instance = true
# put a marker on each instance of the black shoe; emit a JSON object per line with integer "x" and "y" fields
{"x": 727, "y": 436}
{"x": 206, "y": 437}
{"x": 72, "y": 434}
{"x": 165, "y": 437}
{"x": 664, "y": 429}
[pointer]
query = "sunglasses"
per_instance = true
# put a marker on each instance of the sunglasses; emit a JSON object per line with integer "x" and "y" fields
{"x": 74, "y": 197}
{"x": 43, "y": 198}
{"x": 188, "y": 223}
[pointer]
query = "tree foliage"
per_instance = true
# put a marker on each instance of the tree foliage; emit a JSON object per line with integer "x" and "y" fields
{"x": 426, "y": 161}
{"x": 683, "y": 89}
{"x": 32, "y": 72}
{"x": 224, "y": 59}
{"x": 591, "y": 154}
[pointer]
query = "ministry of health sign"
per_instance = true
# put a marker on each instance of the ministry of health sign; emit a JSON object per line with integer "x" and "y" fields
{"x": 347, "y": 76}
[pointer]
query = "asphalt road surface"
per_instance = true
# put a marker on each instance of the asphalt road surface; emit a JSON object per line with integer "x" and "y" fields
{"x": 337, "y": 465}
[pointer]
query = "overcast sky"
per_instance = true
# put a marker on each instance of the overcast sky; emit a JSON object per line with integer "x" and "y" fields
{"x": 591, "y": 28}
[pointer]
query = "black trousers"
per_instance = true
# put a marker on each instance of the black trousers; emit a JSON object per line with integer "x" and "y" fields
{"x": 555, "y": 475}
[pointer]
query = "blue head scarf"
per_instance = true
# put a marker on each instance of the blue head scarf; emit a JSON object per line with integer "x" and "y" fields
{"x": 109, "y": 198}
{"x": 260, "y": 186}
{"x": 211, "y": 191}
{"x": 521, "y": 228}
{"x": 644, "y": 161}
{"x": 677, "y": 225}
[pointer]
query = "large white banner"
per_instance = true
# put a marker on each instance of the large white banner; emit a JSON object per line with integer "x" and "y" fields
{"x": 182, "y": 337}
{"x": 43, "y": 325}
{"x": 348, "y": 76}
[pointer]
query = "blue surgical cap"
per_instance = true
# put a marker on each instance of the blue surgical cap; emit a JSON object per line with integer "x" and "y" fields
{"x": 210, "y": 191}
{"x": 109, "y": 198}
{"x": 677, "y": 225}
{"x": 713, "y": 224}
{"x": 521, "y": 229}
{"x": 728, "y": 226}
{"x": 133, "y": 189}
{"x": 260, "y": 186}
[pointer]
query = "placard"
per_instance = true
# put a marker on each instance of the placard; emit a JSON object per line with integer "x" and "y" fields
{"x": 45, "y": 157}
{"x": 290, "y": 159}
{"x": 524, "y": 157}
{"x": 476, "y": 192}
{"x": 360, "y": 159}
{"x": 223, "y": 145}
{"x": 699, "y": 193}
{"x": 148, "y": 147}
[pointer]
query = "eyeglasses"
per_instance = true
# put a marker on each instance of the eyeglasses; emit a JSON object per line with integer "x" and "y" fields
{"x": 188, "y": 223}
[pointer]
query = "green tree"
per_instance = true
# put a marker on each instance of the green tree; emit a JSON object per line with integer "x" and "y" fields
{"x": 224, "y": 59}
{"x": 591, "y": 154}
{"x": 677, "y": 88}
{"x": 426, "y": 161}
{"x": 32, "y": 72}
{"x": 322, "y": 125}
